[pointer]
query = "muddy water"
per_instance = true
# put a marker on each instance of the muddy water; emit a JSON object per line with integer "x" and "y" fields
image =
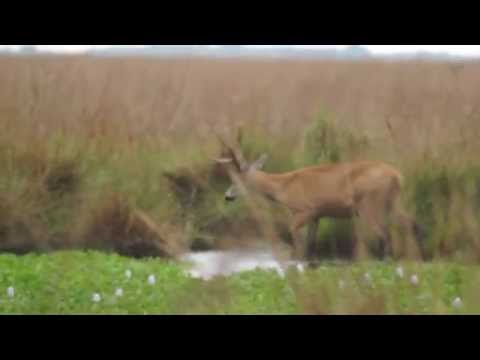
{"x": 206, "y": 265}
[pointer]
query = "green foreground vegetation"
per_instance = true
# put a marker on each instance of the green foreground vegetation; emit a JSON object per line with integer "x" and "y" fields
{"x": 66, "y": 283}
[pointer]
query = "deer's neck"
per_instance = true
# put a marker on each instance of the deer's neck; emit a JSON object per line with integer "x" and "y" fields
{"x": 263, "y": 183}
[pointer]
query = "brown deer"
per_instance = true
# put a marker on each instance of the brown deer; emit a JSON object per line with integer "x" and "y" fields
{"x": 364, "y": 189}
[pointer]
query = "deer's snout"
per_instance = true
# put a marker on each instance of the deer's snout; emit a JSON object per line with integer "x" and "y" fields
{"x": 231, "y": 194}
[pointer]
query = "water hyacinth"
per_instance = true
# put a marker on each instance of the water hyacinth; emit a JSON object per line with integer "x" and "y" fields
{"x": 96, "y": 298}
{"x": 119, "y": 292}
{"x": 280, "y": 273}
{"x": 11, "y": 292}
{"x": 301, "y": 267}
{"x": 194, "y": 274}
{"x": 128, "y": 274}
{"x": 152, "y": 280}
{"x": 367, "y": 277}
{"x": 457, "y": 303}
{"x": 414, "y": 280}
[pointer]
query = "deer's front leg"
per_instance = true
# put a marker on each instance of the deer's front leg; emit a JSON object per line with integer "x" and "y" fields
{"x": 312, "y": 239}
{"x": 298, "y": 221}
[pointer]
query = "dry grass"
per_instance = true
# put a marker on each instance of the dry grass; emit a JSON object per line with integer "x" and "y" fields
{"x": 424, "y": 104}
{"x": 116, "y": 226}
{"x": 73, "y": 128}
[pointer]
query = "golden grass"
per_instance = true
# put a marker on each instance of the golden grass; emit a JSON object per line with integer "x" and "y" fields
{"x": 416, "y": 105}
{"x": 77, "y": 126}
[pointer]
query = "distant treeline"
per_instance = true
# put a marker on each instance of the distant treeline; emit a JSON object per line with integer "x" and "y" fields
{"x": 354, "y": 52}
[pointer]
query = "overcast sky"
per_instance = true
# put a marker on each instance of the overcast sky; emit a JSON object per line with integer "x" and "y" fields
{"x": 466, "y": 50}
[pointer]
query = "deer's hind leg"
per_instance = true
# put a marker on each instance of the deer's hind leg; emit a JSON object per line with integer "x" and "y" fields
{"x": 414, "y": 234}
{"x": 373, "y": 210}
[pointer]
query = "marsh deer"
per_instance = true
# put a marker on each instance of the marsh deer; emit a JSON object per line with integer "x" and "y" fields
{"x": 367, "y": 190}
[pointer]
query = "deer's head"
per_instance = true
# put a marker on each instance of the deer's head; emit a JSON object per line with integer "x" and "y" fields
{"x": 238, "y": 169}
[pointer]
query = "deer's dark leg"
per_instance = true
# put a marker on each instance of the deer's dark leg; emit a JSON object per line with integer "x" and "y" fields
{"x": 299, "y": 220}
{"x": 413, "y": 230}
{"x": 312, "y": 239}
{"x": 374, "y": 214}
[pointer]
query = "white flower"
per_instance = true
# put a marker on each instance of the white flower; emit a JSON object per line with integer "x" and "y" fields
{"x": 128, "y": 274}
{"x": 367, "y": 277}
{"x": 399, "y": 272}
{"x": 457, "y": 303}
{"x": 194, "y": 274}
{"x": 341, "y": 284}
{"x": 151, "y": 280}
{"x": 414, "y": 280}
{"x": 301, "y": 267}
{"x": 119, "y": 292}
{"x": 11, "y": 292}
{"x": 96, "y": 298}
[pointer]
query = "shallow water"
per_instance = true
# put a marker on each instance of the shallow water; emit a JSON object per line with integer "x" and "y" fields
{"x": 206, "y": 265}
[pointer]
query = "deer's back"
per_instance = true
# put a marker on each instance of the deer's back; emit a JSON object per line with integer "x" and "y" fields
{"x": 336, "y": 187}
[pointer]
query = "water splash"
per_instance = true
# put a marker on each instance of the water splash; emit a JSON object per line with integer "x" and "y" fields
{"x": 206, "y": 265}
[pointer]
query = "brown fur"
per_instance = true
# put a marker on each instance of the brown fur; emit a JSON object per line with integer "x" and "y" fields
{"x": 363, "y": 189}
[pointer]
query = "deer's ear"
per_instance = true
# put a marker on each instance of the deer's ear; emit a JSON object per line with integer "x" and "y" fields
{"x": 260, "y": 163}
